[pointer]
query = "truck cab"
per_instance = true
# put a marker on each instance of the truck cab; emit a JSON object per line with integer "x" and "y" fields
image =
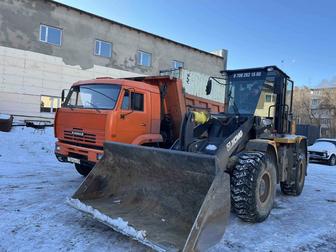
{"x": 105, "y": 110}
{"x": 141, "y": 110}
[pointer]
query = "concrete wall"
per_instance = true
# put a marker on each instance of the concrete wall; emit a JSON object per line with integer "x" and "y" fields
{"x": 30, "y": 69}
{"x": 20, "y": 23}
{"x": 25, "y": 76}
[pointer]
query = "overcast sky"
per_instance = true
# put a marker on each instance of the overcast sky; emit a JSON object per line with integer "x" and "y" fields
{"x": 296, "y": 35}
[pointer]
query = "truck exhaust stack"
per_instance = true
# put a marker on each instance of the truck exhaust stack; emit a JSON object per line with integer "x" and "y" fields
{"x": 168, "y": 200}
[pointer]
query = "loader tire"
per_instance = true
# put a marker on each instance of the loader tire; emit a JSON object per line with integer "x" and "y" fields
{"x": 295, "y": 187}
{"x": 83, "y": 170}
{"x": 253, "y": 184}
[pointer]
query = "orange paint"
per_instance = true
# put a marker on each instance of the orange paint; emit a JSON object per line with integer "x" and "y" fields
{"x": 83, "y": 131}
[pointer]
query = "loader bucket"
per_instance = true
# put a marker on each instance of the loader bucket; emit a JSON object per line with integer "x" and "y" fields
{"x": 168, "y": 200}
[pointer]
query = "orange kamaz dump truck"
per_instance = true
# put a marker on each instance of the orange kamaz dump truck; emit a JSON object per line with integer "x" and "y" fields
{"x": 141, "y": 110}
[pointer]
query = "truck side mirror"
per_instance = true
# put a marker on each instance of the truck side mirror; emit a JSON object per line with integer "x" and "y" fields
{"x": 208, "y": 87}
{"x": 64, "y": 94}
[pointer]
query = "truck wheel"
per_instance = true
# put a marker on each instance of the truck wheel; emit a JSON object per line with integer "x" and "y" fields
{"x": 253, "y": 184}
{"x": 83, "y": 169}
{"x": 332, "y": 160}
{"x": 295, "y": 187}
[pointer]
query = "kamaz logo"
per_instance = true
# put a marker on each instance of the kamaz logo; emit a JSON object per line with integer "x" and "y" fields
{"x": 76, "y": 133}
{"x": 234, "y": 141}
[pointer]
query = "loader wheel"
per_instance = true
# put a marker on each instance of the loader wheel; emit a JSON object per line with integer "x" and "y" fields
{"x": 295, "y": 187}
{"x": 83, "y": 170}
{"x": 253, "y": 183}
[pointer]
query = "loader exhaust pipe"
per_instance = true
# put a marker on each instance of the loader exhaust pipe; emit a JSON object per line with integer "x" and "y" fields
{"x": 168, "y": 200}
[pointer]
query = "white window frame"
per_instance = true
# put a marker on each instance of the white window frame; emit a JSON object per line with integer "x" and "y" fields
{"x": 177, "y": 61}
{"x": 52, "y": 103}
{"x": 46, "y": 35}
{"x": 140, "y": 59}
{"x": 99, "y": 48}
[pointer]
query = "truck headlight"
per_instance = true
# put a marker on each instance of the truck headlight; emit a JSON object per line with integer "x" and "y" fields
{"x": 99, "y": 156}
{"x": 57, "y": 147}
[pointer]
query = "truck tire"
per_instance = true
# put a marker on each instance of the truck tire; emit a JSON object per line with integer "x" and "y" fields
{"x": 83, "y": 170}
{"x": 253, "y": 184}
{"x": 332, "y": 160}
{"x": 295, "y": 187}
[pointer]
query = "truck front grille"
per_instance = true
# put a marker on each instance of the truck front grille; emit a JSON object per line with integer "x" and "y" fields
{"x": 79, "y": 135}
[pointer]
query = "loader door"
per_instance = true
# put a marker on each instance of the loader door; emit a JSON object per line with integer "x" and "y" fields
{"x": 288, "y": 106}
{"x": 134, "y": 116}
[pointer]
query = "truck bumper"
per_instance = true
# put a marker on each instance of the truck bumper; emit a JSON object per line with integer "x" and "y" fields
{"x": 71, "y": 153}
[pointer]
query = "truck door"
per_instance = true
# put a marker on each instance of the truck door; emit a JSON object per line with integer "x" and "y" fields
{"x": 134, "y": 116}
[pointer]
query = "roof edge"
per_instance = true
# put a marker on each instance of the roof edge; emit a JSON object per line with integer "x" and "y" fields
{"x": 133, "y": 28}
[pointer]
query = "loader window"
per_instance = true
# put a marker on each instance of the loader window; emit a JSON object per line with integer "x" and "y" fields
{"x": 93, "y": 96}
{"x": 289, "y": 91}
{"x": 266, "y": 100}
{"x": 244, "y": 95}
{"x": 251, "y": 93}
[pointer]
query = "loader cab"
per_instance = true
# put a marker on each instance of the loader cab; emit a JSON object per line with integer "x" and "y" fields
{"x": 264, "y": 92}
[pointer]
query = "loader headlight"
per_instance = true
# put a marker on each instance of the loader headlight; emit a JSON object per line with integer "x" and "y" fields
{"x": 211, "y": 147}
{"x": 99, "y": 156}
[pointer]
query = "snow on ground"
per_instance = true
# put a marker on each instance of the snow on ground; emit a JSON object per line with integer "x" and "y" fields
{"x": 33, "y": 191}
{"x": 35, "y": 217}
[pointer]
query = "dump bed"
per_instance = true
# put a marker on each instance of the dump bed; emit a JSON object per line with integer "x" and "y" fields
{"x": 176, "y": 102}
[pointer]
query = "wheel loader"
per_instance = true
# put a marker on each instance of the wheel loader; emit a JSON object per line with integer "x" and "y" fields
{"x": 180, "y": 199}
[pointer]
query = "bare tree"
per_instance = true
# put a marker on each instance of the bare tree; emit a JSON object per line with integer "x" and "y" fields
{"x": 327, "y": 108}
{"x": 302, "y": 100}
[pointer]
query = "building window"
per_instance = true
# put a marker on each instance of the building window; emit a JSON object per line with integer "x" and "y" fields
{"x": 144, "y": 58}
{"x": 316, "y": 91}
{"x": 177, "y": 64}
{"x": 315, "y": 102}
{"x": 325, "y": 121}
{"x": 268, "y": 98}
{"x": 49, "y": 104}
{"x": 50, "y": 35}
{"x": 103, "y": 48}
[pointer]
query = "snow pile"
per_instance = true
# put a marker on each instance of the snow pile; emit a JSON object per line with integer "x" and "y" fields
{"x": 119, "y": 224}
{"x": 4, "y": 116}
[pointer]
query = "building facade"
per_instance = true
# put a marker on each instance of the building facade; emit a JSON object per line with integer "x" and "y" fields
{"x": 323, "y": 109}
{"x": 45, "y": 46}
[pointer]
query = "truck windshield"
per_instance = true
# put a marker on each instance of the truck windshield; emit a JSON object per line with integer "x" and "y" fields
{"x": 93, "y": 96}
